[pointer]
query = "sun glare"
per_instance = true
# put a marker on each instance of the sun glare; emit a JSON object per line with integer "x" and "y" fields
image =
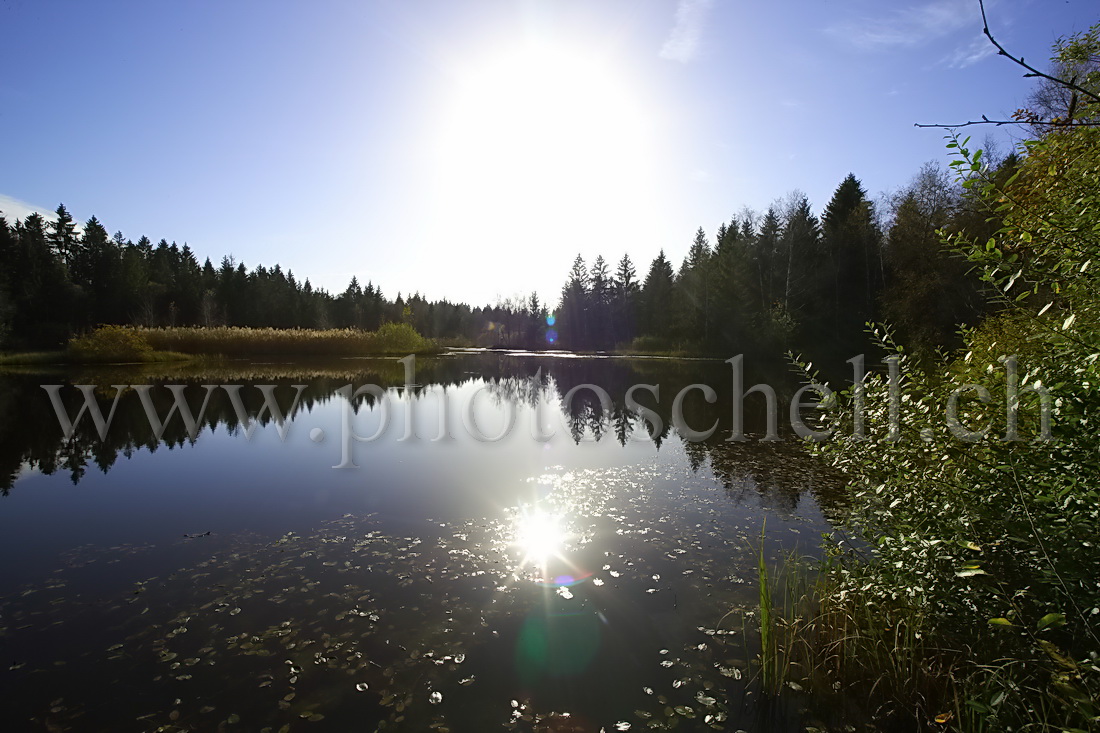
{"x": 543, "y": 140}
{"x": 539, "y": 535}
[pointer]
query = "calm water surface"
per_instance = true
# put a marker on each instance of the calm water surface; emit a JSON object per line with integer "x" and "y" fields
{"x": 576, "y": 582}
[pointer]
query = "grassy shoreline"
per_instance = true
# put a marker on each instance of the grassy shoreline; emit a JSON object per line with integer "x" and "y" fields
{"x": 138, "y": 345}
{"x": 141, "y": 345}
{"x": 391, "y": 339}
{"x": 64, "y": 357}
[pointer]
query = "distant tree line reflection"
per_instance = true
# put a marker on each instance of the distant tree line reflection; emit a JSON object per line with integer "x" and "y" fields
{"x": 32, "y": 439}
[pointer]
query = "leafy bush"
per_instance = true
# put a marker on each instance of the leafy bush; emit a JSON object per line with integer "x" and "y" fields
{"x": 395, "y": 338}
{"x": 985, "y": 542}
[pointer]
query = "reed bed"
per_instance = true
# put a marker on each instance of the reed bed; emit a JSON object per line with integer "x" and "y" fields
{"x": 858, "y": 659}
{"x": 391, "y": 338}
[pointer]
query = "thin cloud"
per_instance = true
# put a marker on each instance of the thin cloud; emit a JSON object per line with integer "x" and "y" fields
{"x": 978, "y": 49}
{"x": 908, "y": 27}
{"x": 682, "y": 43}
{"x": 12, "y": 209}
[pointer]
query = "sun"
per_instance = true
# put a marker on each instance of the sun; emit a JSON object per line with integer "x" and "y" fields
{"x": 539, "y": 535}
{"x": 541, "y": 139}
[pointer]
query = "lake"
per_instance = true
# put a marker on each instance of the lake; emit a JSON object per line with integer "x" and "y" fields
{"x": 540, "y": 557}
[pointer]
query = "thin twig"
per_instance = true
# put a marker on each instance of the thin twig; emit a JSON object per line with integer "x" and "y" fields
{"x": 1033, "y": 71}
{"x": 985, "y": 121}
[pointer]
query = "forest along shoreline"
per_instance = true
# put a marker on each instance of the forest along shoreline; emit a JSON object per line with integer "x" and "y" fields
{"x": 971, "y": 600}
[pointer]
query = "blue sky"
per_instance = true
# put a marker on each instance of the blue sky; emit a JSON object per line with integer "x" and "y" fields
{"x": 471, "y": 150}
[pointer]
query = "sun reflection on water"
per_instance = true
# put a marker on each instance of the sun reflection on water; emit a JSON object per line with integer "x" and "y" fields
{"x": 539, "y": 535}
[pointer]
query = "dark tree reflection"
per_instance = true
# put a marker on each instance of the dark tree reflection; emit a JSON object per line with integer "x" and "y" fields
{"x": 32, "y": 438}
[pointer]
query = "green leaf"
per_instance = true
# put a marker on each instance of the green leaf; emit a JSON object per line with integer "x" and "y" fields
{"x": 1000, "y": 621}
{"x": 1057, "y": 655}
{"x": 1051, "y": 619}
{"x": 967, "y": 572}
{"x": 979, "y": 706}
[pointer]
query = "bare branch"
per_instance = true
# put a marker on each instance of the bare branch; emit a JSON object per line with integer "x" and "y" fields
{"x": 1033, "y": 72}
{"x": 998, "y": 123}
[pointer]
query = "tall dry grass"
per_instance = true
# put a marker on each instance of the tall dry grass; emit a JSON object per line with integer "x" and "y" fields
{"x": 391, "y": 338}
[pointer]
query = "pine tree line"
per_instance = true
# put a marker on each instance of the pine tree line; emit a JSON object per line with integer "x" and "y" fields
{"x": 782, "y": 279}
{"x": 789, "y": 279}
{"x": 57, "y": 280}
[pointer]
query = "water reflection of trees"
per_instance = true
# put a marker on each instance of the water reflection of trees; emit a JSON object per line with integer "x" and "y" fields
{"x": 780, "y": 474}
{"x": 30, "y": 436}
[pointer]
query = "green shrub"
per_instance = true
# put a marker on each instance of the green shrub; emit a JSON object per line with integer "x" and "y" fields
{"x": 988, "y": 544}
{"x": 395, "y": 338}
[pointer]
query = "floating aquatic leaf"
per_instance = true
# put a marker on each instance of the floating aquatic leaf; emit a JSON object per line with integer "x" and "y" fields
{"x": 733, "y": 672}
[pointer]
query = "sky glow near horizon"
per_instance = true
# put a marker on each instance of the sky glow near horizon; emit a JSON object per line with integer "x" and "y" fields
{"x": 470, "y": 151}
{"x": 539, "y": 144}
